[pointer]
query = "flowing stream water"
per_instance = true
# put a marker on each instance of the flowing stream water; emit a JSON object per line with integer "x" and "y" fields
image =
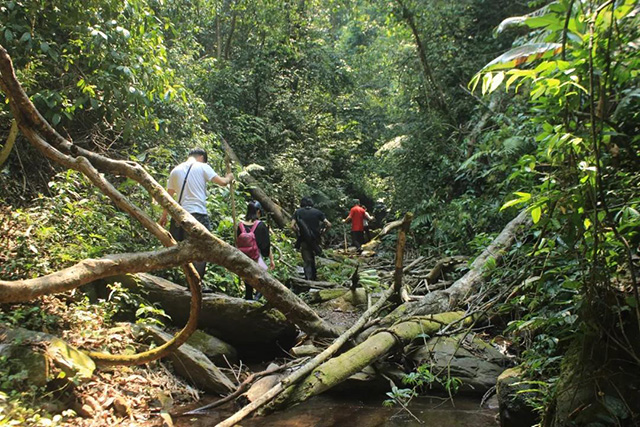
{"x": 329, "y": 411}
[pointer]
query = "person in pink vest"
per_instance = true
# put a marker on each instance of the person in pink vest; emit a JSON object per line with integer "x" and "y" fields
{"x": 254, "y": 241}
{"x": 357, "y": 217}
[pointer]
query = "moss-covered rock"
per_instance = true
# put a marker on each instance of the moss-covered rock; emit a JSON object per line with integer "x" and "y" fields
{"x": 36, "y": 352}
{"x": 218, "y": 351}
{"x": 513, "y": 407}
{"x": 476, "y": 363}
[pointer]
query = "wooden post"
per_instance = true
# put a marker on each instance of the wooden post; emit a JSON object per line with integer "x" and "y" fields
{"x": 344, "y": 233}
{"x": 402, "y": 239}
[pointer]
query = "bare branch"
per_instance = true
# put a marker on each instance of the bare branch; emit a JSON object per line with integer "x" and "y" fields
{"x": 89, "y": 270}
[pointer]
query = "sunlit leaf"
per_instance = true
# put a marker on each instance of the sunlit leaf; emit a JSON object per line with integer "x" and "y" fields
{"x": 535, "y": 214}
{"x": 523, "y": 54}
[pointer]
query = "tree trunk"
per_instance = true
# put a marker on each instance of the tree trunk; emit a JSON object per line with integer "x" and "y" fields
{"x": 227, "y": 47}
{"x": 281, "y": 217}
{"x": 448, "y": 299}
{"x": 426, "y": 68}
{"x": 201, "y": 245}
{"x": 397, "y": 274}
{"x": 378, "y": 345}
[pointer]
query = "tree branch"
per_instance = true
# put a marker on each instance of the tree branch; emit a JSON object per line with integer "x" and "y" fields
{"x": 210, "y": 248}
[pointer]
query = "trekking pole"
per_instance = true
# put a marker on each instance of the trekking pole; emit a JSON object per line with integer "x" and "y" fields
{"x": 233, "y": 197}
{"x": 344, "y": 233}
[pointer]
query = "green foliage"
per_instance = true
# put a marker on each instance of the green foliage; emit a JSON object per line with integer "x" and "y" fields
{"x": 104, "y": 58}
{"x": 29, "y": 317}
{"x": 17, "y": 408}
{"x": 580, "y": 183}
{"x": 421, "y": 379}
{"x": 77, "y": 222}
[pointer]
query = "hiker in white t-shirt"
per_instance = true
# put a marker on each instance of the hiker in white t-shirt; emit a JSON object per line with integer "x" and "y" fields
{"x": 189, "y": 181}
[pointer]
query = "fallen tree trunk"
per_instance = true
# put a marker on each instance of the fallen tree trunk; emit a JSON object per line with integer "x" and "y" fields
{"x": 448, "y": 299}
{"x": 304, "y": 371}
{"x": 234, "y": 320}
{"x": 280, "y": 216}
{"x": 378, "y": 345}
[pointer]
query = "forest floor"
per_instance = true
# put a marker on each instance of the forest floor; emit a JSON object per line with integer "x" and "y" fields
{"x": 140, "y": 395}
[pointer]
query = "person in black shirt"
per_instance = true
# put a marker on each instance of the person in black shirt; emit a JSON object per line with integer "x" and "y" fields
{"x": 309, "y": 223}
{"x": 261, "y": 233}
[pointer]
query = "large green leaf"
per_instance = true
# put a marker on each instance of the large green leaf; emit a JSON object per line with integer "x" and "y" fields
{"x": 523, "y": 54}
{"x": 534, "y": 18}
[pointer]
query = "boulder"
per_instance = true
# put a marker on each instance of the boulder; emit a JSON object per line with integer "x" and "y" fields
{"x": 189, "y": 363}
{"x": 513, "y": 408}
{"x": 265, "y": 384}
{"x": 476, "y": 363}
{"x": 218, "y": 351}
{"x": 32, "y": 351}
{"x": 234, "y": 320}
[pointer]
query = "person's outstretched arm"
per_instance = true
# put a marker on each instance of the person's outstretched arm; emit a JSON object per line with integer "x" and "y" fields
{"x": 223, "y": 181}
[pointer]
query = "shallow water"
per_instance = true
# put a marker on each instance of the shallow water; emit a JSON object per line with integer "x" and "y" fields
{"x": 328, "y": 411}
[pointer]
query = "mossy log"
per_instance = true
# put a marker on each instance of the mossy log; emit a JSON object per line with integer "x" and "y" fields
{"x": 235, "y": 320}
{"x": 378, "y": 345}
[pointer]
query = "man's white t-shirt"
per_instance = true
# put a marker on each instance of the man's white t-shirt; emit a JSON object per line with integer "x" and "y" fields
{"x": 194, "y": 196}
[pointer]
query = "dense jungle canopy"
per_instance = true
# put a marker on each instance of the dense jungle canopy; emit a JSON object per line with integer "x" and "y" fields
{"x": 499, "y": 139}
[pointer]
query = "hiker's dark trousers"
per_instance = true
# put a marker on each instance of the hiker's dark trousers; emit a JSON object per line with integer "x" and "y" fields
{"x": 308, "y": 260}
{"x": 179, "y": 235}
{"x": 357, "y": 237}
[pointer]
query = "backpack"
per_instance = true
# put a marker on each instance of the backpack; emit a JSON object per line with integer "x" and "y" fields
{"x": 246, "y": 241}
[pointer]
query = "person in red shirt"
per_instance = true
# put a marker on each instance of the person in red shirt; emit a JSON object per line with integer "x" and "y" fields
{"x": 357, "y": 216}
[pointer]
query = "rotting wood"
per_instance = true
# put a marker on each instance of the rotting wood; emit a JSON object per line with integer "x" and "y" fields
{"x": 401, "y": 293}
{"x": 306, "y": 369}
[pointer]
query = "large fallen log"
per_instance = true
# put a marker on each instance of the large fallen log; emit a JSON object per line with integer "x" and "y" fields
{"x": 378, "y": 345}
{"x": 306, "y": 369}
{"x": 448, "y": 299}
{"x": 234, "y": 320}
